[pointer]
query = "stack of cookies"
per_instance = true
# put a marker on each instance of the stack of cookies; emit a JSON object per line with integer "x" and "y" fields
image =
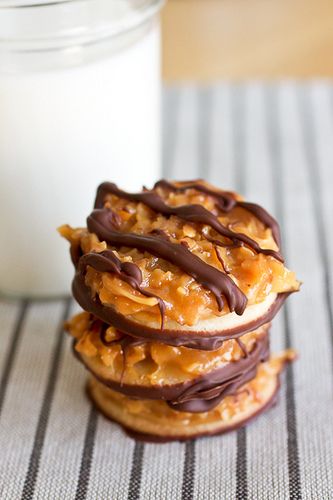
{"x": 178, "y": 285}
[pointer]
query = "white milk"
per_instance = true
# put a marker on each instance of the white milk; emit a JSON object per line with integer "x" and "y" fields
{"x": 62, "y": 132}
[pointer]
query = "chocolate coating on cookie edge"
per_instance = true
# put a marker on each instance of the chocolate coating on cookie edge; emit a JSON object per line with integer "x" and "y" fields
{"x": 204, "y": 340}
{"x": 159, "y": 439}
{"x": 108, "y": 262}
{"x": 204, "y": 392}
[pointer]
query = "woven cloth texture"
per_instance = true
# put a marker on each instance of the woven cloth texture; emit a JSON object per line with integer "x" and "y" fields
{"x": 274, "y": 144}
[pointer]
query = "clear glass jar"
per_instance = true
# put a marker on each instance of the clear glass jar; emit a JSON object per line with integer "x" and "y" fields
{"x": 80, "y": 104}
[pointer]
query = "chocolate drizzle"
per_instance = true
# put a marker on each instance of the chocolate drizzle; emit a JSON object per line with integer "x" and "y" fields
{"x": 101, "y": 222}
{"x": 202, "y": 393}
{"x": 200, "y": 339}
{"x": 225, "y": 269}
{"x": 166, "y": 438}
{"x": 107, "y": 225}
{"x": 206, "y": 391}
{"x": 194, "y": 213}
{"x": 108, "y": 262}
{"x": 226, "y": 202}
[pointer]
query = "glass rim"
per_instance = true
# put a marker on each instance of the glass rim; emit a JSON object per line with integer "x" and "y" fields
{"x": 20, "y": 4}
{"x": 75, "y": 34}
{"x": 26, "y": 4}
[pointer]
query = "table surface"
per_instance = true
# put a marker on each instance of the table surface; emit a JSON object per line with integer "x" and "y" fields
{"x": 274, "y": 144}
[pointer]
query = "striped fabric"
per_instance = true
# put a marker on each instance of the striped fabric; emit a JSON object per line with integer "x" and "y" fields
{"x": 274, "y": 143}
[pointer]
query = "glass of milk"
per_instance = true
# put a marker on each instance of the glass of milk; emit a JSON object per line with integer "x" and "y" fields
{"x": 79, "y": 104}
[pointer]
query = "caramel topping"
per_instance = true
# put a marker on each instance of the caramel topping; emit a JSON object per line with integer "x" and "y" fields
{"x": 226, "y": 202}
{"x": 108, "y": 262}
{"x": 198, "y": 253}
{"x": 152, "y": 362}
{"x": 100, "y": 222}
{"x": 251, "y": 394}
{"x": 192, "y": 213}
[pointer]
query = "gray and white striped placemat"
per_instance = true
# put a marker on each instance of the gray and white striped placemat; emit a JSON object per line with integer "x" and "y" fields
{"x": 274, "y": 143}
